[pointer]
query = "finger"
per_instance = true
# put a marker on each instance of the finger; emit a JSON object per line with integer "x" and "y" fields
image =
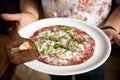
{"x": 11, "y": 17}
{"x": 117, "y": 39}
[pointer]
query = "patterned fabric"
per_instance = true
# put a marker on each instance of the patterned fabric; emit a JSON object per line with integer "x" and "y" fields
{"x": 91, "y": 11}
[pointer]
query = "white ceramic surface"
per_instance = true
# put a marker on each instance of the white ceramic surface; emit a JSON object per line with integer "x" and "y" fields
{"x": 101, "y": 54}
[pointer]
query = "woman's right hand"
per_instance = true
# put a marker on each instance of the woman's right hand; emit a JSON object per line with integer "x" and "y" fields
{"x": 22, "y": 19}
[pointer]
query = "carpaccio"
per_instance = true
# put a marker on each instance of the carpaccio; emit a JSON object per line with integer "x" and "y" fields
{"x": 61, "y": 45}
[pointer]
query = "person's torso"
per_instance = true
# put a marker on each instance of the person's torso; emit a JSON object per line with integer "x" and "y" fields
{"x": 91, "y": 11}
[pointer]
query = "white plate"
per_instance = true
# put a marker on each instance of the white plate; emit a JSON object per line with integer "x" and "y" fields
{"x": 101, "y": 54}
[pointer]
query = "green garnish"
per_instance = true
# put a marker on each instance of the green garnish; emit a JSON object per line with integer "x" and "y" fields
{"x": 71, "y": 35}
{"x": 83, "y": 39}
{"x": 46, "y": 35}
{"x": 70, "y": 45}
{"x": 68, "y": 28}
{"x": 48, "y": 50}
{"x": 39, "y": 45}
{"x": 51, "y": 38}
{"x": 60, "y": 38}
{"x": 57, "y": 45}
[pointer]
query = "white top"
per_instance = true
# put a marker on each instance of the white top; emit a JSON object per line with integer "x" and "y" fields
{"x": 90, "y": 11}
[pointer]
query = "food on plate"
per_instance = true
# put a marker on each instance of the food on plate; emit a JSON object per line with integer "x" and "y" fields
{"x": 62, "y": 45}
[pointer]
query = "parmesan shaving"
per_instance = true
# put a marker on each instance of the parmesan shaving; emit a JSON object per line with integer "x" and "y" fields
{"x": 25, "y": 46}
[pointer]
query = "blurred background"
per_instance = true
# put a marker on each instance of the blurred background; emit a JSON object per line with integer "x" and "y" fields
{"x": 22, "y": 72}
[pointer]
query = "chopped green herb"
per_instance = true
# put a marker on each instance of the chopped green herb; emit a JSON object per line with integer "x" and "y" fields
{"x": 70, "y": 44}
{"x": 48, "y": 50}
{"x": 46, "y": 35}
{"x": 39, "y": 45}
{"x": 83, "y": 39}
{"x": 51, "y": 38}
{"x": 68, "y": 28}
{"x": 57, "y": 45}
{"x": 71, "y": 35}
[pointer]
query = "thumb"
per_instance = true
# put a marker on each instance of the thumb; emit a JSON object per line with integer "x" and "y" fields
{"x": 117, "y": 39}
{"x": 11, "y": 17}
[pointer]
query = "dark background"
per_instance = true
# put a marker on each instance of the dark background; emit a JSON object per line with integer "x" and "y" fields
{"x": 7, "y": 6}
